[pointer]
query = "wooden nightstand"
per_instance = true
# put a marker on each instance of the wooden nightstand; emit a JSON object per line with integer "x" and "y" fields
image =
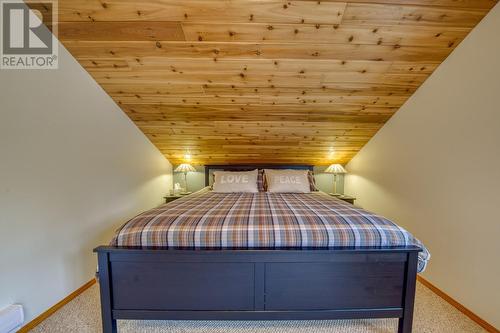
{"x": 170, "y": 198}
{"x": 347, "y": 198}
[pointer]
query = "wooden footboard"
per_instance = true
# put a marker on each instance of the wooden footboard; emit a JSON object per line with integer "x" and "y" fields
{"x": 257, "y": 284}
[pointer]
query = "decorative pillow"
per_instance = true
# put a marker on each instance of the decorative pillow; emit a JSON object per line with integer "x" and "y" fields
{"x": 287, "y": 181}
{"x": 261, "y": 181}
{"x": 312, "y": 181}
{"x": 235, "y": 181}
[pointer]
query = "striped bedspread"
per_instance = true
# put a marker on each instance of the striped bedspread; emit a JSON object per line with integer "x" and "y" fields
{"x": 262, "y": 220}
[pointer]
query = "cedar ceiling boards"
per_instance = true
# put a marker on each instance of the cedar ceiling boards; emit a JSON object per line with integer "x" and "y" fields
{"x": 265, "y": 81}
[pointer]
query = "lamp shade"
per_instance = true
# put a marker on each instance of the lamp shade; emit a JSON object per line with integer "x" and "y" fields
{"x": 336, "y": 169}
{"x": 185, "y": 167}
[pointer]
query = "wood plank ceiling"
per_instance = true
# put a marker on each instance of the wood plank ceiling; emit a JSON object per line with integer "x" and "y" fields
{"x": 276, "y": 81}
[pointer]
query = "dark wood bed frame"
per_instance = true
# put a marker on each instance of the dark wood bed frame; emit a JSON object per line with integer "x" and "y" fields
{"x": 257, "y": 284}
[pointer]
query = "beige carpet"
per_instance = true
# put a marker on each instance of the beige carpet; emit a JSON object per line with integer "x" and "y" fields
{"x": 432, "y": 314}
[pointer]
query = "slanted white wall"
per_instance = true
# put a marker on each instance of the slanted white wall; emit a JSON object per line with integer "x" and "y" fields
{"x": 434, "y": 168}
{"x": 73, "y": 168}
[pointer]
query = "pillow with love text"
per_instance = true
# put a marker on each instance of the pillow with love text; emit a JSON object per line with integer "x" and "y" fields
{"x": 235, "y": 181}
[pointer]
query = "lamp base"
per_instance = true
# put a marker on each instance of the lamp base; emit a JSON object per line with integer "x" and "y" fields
{"x": 185, "y": 193}
{"x": 335, "y": 194}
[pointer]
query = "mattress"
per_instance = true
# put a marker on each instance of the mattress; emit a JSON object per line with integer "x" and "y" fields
{"x": 263, "y": 220}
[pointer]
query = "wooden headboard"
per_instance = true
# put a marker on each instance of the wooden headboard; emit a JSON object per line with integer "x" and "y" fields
{"x": 248, "y": 167}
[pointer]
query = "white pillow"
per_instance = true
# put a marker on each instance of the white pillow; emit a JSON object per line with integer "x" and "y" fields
{"x": 287, "y": 181}
{"x": 235, "y": 181}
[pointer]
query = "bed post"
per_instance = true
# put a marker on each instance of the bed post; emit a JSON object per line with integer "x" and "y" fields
{"x": 405, "y": 322}
{"x": 108, "y": 323}
{"x": 207, "y": 175}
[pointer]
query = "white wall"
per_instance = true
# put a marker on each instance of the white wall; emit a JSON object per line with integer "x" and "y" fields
{"x": 434, "y": 168}
{"x": 73, "y": 168}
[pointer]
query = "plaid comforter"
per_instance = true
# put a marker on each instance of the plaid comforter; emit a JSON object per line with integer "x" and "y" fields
{"x": 262, "y": 220}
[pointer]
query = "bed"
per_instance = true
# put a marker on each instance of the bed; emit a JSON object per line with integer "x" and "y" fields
{"x": 259, "y": 256}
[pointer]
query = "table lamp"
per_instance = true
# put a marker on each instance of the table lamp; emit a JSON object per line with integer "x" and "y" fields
{"x": 336, "y": 169}
{"x": 185, "y": 168}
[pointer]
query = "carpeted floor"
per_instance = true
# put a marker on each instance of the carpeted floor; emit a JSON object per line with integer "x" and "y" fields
{"x": 432, "y": 314}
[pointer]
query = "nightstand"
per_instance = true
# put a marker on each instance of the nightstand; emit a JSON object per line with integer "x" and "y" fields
{"x": 170, "y": 198}
{"x": 347, "y": 198}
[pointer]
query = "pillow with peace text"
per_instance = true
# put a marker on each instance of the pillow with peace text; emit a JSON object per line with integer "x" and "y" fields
{"x": 287, "y": 181}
